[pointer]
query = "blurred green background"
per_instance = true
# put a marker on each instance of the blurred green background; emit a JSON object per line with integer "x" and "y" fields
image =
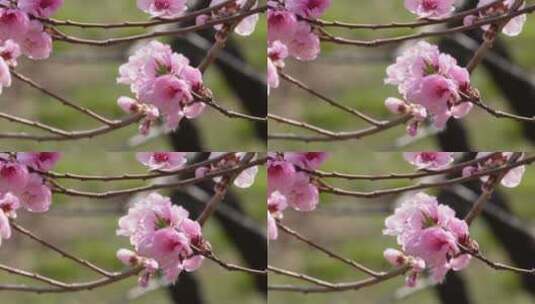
{"x": 86, "y": 227}
{"x": 352, "y": 227}
{"x": 87, "y": 75}
{"x": 354, "y": 76}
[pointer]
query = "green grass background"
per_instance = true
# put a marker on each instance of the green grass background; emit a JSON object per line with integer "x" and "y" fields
{"x": 87, "y": 75}
{"x": 86, "y": 227}
{"x": 341, "y": 224}
{"x": 354, "y": 76}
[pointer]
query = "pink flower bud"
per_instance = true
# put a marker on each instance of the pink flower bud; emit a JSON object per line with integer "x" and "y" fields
{"x": 127, "y": 257}
{"x": 396, "y": 105}
{"x": 128, "y": 105}
{"x": 395, "y": 257}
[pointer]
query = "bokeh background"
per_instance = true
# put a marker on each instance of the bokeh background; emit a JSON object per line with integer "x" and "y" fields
{"x": 87, "y": 75}
{"x": 354, "y": 76}
{"x": 352, "y": 227}
{"x": 86, "y": 227}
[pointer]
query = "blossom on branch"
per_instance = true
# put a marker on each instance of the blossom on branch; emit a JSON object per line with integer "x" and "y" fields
{"x": 290, "y": 186}
{"x": 167, "y": 161}
{"x": 286, "y": 24}
{"x": 245, "y": 179}
{"x": 427, "y": 78}
{"x": 23, "y": 186}
{"x": 164, "y": 84}
{"x": 164, "y": 238}
{"x": 163, "y": 8}
{"x": 22, "y": 33}
{"x": 429, "y": 160}
{"x": 430, "y": 8}
{"x": 244, "y": 28}
{"x": 511, "y": 179}
{"x": 512, "y": 28}
{"x": 431, "y": 232}
{"x": 277, "y": 52}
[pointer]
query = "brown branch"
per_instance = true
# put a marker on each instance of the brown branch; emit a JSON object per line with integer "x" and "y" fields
{"x": 488, "y": 190}
{"x": 324, "y": 187}
{"x": 452, "y": 169}
{"x": 328, "y": 252}
{"x": 398, "y": 39}
{"x": 145, "y": 24}
{"x": 397, "y": 25}
{"x": 63, "y": 253}
{"x": 63, "y": 100}
{"x": 114, "y": 193}
{"x": 337, "y": 287}
{"x": 489, "y": 38}
{"x": 329, "y": 100}
{"x": 158, "y": 174}
{"x": 337, "y": 136}
{"x": 60, "y": 36}
{"x": 221, "y": 190}
{"x": 222, "y": 36}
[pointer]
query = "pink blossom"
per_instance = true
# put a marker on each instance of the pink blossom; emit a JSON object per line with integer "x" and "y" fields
{"x": 128, "y": 105}
{"x": 396, "y": 105}
{"x": 40, "y": 8}
{"x": 168, "y": 93}
{"x": 302, "y": 196}
{"x": 272, "y": 231}
{"x": 305, "y": 45}
{"x": 435, "y": 93}
{"x": 281, "y": 175}
{"x": 162, "y": 160}
{"x": 514, "y": 26}
{"x": 277, "y": 52}
{"x": 13, "y": 176}
{"x": 163, "y": 83}
{"x": 149, "y": 214}
{"x": 36, "y": 43}
{"x": 162, "y": 236}
{"x": 395, "y": 257}
{"x": 9, "y": 52}
{"x": 13, "y": 24}
{"x": 432, "y": 80}
{"x": 165, "y": 246}
{"x": 306, "y": 160}
{"x": 308, "y": 8}
{"x": 430, "y": 8}
{"x": 5, "y": 75}
{"x": 245, "y": 179}
{"x": 245, "y": 27}
{"x": 272, "y": 75}
{"x": 163, "y": 8}
{"x": 42, "y": 161}
{"x": 429, "y": 231}
{"x": 282, "y": 25}
{"x": 277, "y": 203}
{"x": 36, "y": 196}
{"x": 296, "y": 186}
{"x": 127, "y": 257}
{"x": 130, "y": 258}
{"x": 429, "y": 160}
{"x": 9, "y": 204}
{"x": 5, "y": 228}
{"x": 511, "y": 179}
